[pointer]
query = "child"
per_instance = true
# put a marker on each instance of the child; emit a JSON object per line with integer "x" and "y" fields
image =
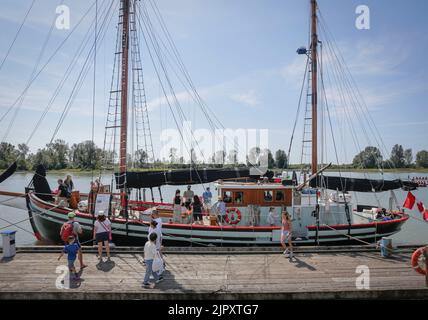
{"x": 150, "y": 253}
{"x": 71, "y": 249}
{"x": 286, "y": 234}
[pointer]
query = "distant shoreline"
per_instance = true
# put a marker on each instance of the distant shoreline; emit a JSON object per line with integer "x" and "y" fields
{"x": 374, "y": 170}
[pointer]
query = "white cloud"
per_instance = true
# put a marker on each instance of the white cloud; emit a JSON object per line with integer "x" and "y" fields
{"x": 249, "y": 98}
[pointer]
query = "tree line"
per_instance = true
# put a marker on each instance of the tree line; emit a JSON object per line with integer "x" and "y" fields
{"x": 400, "y": 158}
{"x": 87, "y": 155}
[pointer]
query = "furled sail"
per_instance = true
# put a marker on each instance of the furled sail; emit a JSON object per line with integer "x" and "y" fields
{"x": 361, "y": 185}
{"x": 8, "y": 172}
{"x": 149, "y": 179}
{"x": 41, "y": 185}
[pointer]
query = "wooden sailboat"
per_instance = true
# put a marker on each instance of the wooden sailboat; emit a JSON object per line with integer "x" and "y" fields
{"x": 319, "y": 217}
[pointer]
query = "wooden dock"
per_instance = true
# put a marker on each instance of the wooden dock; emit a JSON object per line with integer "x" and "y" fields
{"x": 326, "y": 274}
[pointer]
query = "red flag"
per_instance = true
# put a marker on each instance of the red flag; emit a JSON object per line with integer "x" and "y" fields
{"x": 420, "y": 206}
{"x": 426, "y": 215}
{"x": 410, "y": 201}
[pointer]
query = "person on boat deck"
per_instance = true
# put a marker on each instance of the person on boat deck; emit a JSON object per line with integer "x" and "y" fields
{"x": 153, "y": 228}
{"x": 197, "y": 210}
{"x": 69, "y": 183}
{"x": 177, "y": 201}
{"x": 271, "y": 218}
{"x": 62, "y": 190}
{"x": 221, "y": 211}
{"x": 188, "y": 194}
{"x": 102, "y": 234}
{"x": 77, "y": 230}
{"x": 206, "y": 197}
{"x": 150, "y": 253}
{"x": 71, "y": 249}
{"x": 286, "y": 234}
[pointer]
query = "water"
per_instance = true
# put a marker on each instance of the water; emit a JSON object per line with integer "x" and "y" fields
{"x": 414, "y": 230}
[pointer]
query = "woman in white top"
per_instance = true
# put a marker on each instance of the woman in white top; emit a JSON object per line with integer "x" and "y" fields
{"x": 102, "y": 234}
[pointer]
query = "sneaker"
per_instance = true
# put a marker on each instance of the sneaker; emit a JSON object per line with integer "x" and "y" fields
{"x": 291, "y": 256}
{"x": 286, "y": 252}
{"x": 159, "y": 280}
{"x": 146, "y": 285}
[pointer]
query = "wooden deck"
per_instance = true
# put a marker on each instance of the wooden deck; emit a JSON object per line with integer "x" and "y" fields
{"x": 217, "y": 276}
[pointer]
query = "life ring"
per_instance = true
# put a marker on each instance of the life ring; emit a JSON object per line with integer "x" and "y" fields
{"x": 230, "y": 216}
{"x": 416, "y": 257}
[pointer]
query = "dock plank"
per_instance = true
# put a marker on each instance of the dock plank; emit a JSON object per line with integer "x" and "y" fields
{"x": 212, "y": 276}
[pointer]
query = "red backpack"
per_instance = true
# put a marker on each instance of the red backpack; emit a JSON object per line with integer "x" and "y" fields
{"x": 66, "y": 231}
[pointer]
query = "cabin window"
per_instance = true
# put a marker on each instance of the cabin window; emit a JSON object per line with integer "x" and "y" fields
{"x": 227, "y": 196}
{"x": 279, "y": 195}
{"x": 239, "y": 197}
{"x": 268, "y": 196}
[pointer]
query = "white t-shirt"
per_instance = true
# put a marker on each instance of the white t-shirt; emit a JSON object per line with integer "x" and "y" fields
{"x": 159, "y": 225}
{"x": 149, "y": 251}
{"x": 158, "y": 239}
{"x": 104, "y": 226}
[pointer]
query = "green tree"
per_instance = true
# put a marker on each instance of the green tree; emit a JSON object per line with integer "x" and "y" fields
{"x": 23, "y": 153}
{"x": 397, "y": 156}
{"x": 370, "y": 157}
{"x": 86, "y": 155}
{"x": 8, "y": 154}
{"x": 408, "y": 157}
{"x": 44, "y": 157}
{"x": 59, "y": 153}
{"x": 281, "y": 159}
{"x": 422, "y": 159}
{"x": 141, "y": 158}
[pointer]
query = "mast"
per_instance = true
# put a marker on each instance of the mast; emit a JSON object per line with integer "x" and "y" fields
{"x": 314, "y": 66}
{"x": 124, "y": 89}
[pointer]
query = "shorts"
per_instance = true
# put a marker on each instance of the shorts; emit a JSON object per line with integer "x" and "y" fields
{"x": 71, "y": 264}
{"x": 101, "y": 237}
{"x": 197, "y": 216}
{"x": 207, "y": 205}
{"x": 285, "y": 235}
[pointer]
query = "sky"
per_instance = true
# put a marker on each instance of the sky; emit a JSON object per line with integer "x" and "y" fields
{"x": 241, "y": 56}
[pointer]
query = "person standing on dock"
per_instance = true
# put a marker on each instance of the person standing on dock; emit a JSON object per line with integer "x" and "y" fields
{"x": 177, "y": 201}
{"x": 71, "y": 249}
{"x": 286, "y": 234}
{"x": 74, "y": 228}
{"x": 150, "y": 253}
{"x": 102, "y": 234}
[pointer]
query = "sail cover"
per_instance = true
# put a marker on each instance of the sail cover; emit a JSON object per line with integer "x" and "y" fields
{"x": 361, "y": 185}
{"x": 8, "y": 172}
{"x": 41, "y": 185}
{"x": 151, "y": 179}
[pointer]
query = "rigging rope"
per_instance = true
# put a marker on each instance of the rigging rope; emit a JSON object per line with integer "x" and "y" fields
{"x": 17, "y": 34}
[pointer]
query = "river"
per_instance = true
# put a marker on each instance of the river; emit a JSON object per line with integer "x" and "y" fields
{"x": 414, "y": 231}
